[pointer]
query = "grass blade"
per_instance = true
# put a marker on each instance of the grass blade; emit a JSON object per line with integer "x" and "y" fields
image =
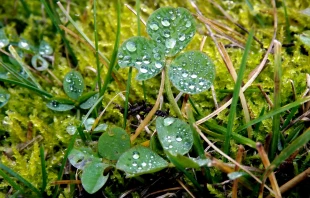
{"x": 10, "y": 181}
{"x": 56, "y": 23}
{"x": 20, "y": 178}
{"x": 274, "y": 112}
{"x": 16, "y": 74}
{"x": 43, "y": 167}
{"x": 35, "y": 89}
{"x": 277, "y": 100}
{"x": 235, "y": 98}
{"x": 96, "y": 46}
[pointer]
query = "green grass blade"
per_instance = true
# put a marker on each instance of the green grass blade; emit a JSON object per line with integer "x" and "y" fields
{"x": 26, "y": 8}
{"x": 80, "y": 31}
{"x": 43, "y": 167}
{"x": 56, "y": 23}
{"x": 38, "y": 91}
{"x": 289, "y": 150}
{"x": 256, "y": 129}
{"x": 277, "y": 100}
{"x": 294, "y": 133}
{"x": 274, "y": 112}
{"x": 115, "y": 49}
{"x": 287, "y": 23}
{"x": 96, "y": 46}
{"x": 16, "y": 74}
{"x": 64, "y": 161}
{"x": 237, "y": 88}
{"x": 20, "y": 178}
{"x": 22, "y": 64}
{"x": 289, "y": 117}
{"x": 10, "y": 181}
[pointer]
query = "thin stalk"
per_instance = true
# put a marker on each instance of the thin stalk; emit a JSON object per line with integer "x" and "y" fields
{"x": 170, "y": 96}
{"x": 237, "y": 88}
{"x": 79, "y": 30}
{"x": 16, "y": 74}
{"x": 127, "y": 96}
{"x": 96, "y": 47}
{"x": 276, "y": 101}
{"x": 8, "y": 179}
{"x": 236, "y": 181}
{"x": 22, "y": 64}
{"x": 35, "y": 89}
{"x": 56, "y": 23}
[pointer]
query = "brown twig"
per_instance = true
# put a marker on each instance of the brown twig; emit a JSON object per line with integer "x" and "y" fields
{"x": 238, "y": 159}
{"x": 185, "y": 188}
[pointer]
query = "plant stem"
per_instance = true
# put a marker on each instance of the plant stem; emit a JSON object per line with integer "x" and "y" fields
{"x": 170, "y": 96}
{"x": 96, "y": 46}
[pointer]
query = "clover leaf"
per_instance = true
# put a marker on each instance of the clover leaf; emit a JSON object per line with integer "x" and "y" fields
{"x": 192, "y": 72}
{"x": 73, "y": 84}
{"x": 174, "y": 28}
{"x": 143, "y": 54}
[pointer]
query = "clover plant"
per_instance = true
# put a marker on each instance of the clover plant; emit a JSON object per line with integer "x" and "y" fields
{"x": 73, "y": 85}
{"x": 171, "y": 30}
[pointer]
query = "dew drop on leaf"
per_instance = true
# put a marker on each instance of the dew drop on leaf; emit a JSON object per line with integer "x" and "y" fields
{"x": 135, "y": 155}
{"x": 131, "y": 46}
{"x": 168, "y": 121}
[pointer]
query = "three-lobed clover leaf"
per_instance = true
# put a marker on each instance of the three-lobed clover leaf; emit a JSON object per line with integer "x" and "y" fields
{"x": 73, "y": 84}
{"x": 140, "y": 160}
{"x": 171, "y": 27}
{"x": 175, "y": 135}
{"x": 144, "y": 55}
{"x": 113, "y": 143}
{"x": 192, "y": 72}
{"x": 80, "y": 157}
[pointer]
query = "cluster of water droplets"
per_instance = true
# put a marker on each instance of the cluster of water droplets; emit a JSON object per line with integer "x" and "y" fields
{"x": 75, "y": 84}
{"x": 4, "y": 97}
{"x": 191, "y": 73}
{"x": 172, "y": 28}
{"x": 143, "y": 55}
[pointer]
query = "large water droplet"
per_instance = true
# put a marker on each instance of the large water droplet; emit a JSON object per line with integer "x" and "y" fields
{"x": 168, "y": 121}
{"x": 167, "y": 33}
{"x": 45, "y": 48}
{"x": 178, "y": 138}
{"x": 143, "y": 164}
{"x": 146, "y": 60}
{"x": 194, "y": 76}
{"x": 143, "y": 70}
{"x": 23, "y": 44}
{"x": 158, "y": 64}
{"x": 165, "y": 22}
{"x": 71, "y": 129}
{"x": 131, "y": 46}
{"x": 182, "y": 37}
{"x": 170, "y": 43}
{"x": 154, "y": 26}
{"x": 184, "y": 74}
{"x": 135, "y": 155}
{"x": 188, "y": 24}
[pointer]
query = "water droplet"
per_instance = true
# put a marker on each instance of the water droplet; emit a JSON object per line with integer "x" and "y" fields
{"x": 120, "y": 56}
{"x": 157, "y": 56}
{"x": 23, "y": 44}
{"x": 134, "y": 164}
{"x": 71, "y": 129}
{"x": 178, "y": 138}
{"x": 188, "y": 24}
{"x": 191, "y": 87}
{"x": 55, "y": 103}
{"x": 167, "y": 33}
{"x": 138, "y": 61}
{"x": 170, "y": 146}
{"x": 4, "y": 41}
{"x": 170, "y": 43}
{"x": 143, "y": 70}
{"x": 131, "y": 46}
{"x": 143, "y": 164}
{"x": 45, "y": 48}
{"x": 135, "y": 155}
{"x": 139, "y": 167}
{"x": 154, "y": 26}
{"x": 152, "y": 156}
{"x": 158, "y": 64}
{"x": 168, "y": 121}
{"x": 165, "y": 22}
{"x": 184, "y": 74}
{"x": 194, "y": 76}
{"x": 181, "y": 37}
{"x": 146, "y": 59}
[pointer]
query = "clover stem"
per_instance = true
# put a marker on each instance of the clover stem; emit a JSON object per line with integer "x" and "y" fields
{"x": 171, "y": 100}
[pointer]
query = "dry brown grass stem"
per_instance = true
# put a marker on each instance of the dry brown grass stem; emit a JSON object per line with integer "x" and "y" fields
{"x": 236, "y": 181}
{"x": 152, "y": 112}
{"x": 185, "y": 188}
{"x": 266, "y": 163}
{"x": 227, "y": 157}
{"x": 133, "y": 10}
{"x": 256, "y": 72}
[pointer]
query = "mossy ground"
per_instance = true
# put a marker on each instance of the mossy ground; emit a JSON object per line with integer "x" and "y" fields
{"x": 26, "y": 115}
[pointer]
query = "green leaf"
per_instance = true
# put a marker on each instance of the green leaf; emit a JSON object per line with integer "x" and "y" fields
{"x": 60, "y": 104}
{"x": 189, "y": 162}
{"x": 305, "y": 38}
{"x": 92, "y": 177}
{"x": 113, "y": 143}
{"x": 172, "y": 28}
{"x": 175, "y": 135}
{"x": 192, "y": 72}
{"x": 79, "y": 157}
{"x": 89, "y": 102}
{"x": 4, "y": 97}
{"x": 73, "y": 84}
{"x": 140, "y": 160}
{"x": 144, "y": 55}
